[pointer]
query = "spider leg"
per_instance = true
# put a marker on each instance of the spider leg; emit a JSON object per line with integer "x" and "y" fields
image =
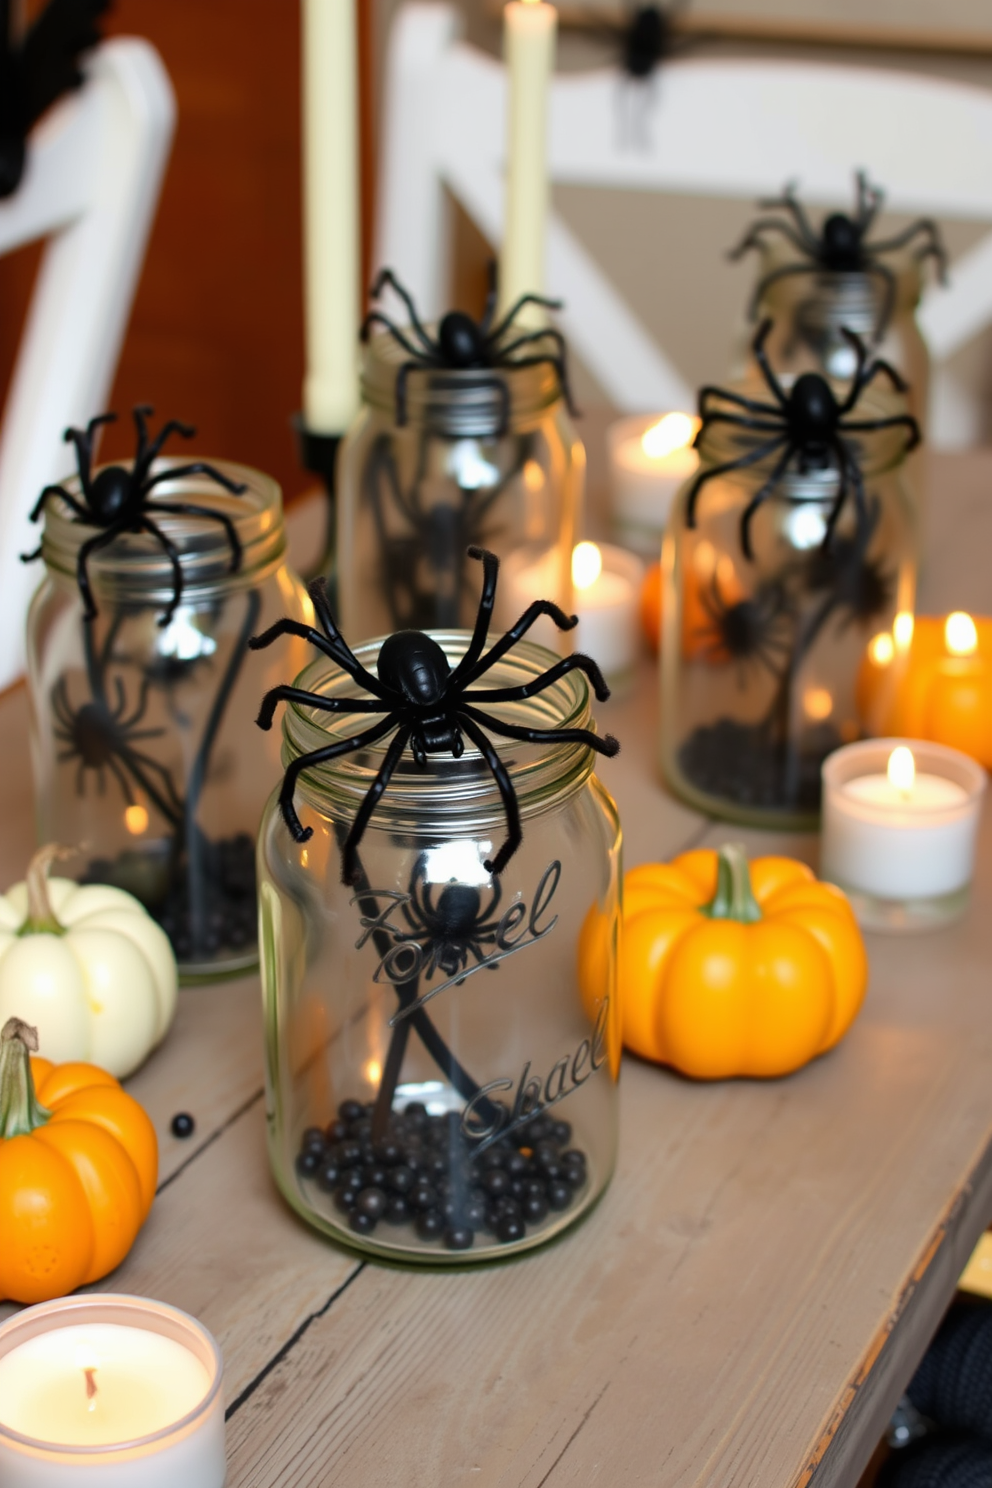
{"x": 866, "y": 373}
{"x": 753, "y": 405}
{"x": 346, "y": 658}
{"x": 320, "y": 757}
{"x": 121, "y": 779}
{"x": 185, "y": 509}
{"x": 905, "y": 420}
{"x": 386, "y": 276}
{"x": 933, "y": 249}
{"x": 490, "y": 306}
{"x": 102, "y": 539}
{"x": 528, "y": 299}
{"x": 739, "y": 421}
{"x": 870, "y": 199}
{"x": 789, "y": 202}
{"x": 753, "y": 236}
{"x": 560, "y": 367}
{"x": 173, "y": 426}
{"x": 196, "y": 467}
{"x": 371, "y": 801}
{"x": 531, "y": 689}
{"x": 548, "y": 334}
{"x": 760, "y": 356}
{"x": 751, "y": 458}
{"x": 286, "y": 694}
{"x": 172, "y": 552}
{"x": 465, "y": 670}
{"x": 514, "y": 836}
{"x": 83, "y": 443}
{"x": 139, "y": 708}
{"x": 420, "y": 354}
{"x": 881, "y": 271}
{"x": 762, "y": 495}
{"x": 74, "y": 505}
{"x": 784, "y": 271}
{"x": 607, "y": 745}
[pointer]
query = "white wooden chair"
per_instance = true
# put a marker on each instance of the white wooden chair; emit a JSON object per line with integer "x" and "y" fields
{"x": 715, "y": 128}
{"x": 90, "y": 185}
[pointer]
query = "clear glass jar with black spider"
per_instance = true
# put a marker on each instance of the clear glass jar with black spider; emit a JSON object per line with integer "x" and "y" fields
{"x": 443, "y": 1044}
{"x": 468, "y": 456}
{"x": 776, "y": 575}
{"x": 143, "y": 743}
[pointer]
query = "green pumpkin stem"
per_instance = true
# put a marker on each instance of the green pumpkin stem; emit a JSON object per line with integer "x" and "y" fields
{"x": 734, "y": 898}
{"x": 41, "y": 916}
{"x": 20, "y": 1109}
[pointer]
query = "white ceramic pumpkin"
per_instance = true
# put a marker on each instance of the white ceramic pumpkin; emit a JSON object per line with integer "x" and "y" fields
{"x": 87, "y": 966}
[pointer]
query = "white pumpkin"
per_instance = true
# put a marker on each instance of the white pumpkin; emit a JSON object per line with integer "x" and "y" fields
{"x": 87, "y": 966}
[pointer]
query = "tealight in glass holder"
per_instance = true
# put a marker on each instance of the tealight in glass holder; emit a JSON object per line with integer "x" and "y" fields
{"x": 488, "y": 458}
{"x": 443, "y": 1044}
{"x": 143, "y": 743}
{"x": 900, "y": 822}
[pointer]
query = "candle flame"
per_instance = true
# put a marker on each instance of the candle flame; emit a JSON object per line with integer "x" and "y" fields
{"x": 674, "y": 431}
{"x": 817, "y": 703}
{"x": 587, "y": 565}
{"x": 373, "y": 1071}
{"x": 902, "y": 770}
{"x": 902, "y": 629}
{"x": 960, "y": 634}
{"x": 136, "y": 820}
{"x": 882, "y": 648}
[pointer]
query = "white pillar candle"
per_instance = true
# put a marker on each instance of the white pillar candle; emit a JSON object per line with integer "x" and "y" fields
{"x": 650, "y": 457}
{"x": 606, "y": 587}
{"x": 330, "y": 214}
{"x": 109, "y": 1392}
{"x": 529, "y": 32}
{"x": 900, "y": 820}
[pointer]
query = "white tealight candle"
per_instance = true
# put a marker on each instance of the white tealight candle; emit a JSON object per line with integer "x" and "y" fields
{"x": 899, "y": 828}
{"x": 118, "y": 1392}
{"x": 606, "y": 585}
{"x": 650, "y": 458}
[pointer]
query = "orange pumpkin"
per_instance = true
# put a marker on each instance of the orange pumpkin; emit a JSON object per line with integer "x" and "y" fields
{"x": 78, "y": 1169}
{"x": 934, "y": 689}
{"x": 703, "y": 601}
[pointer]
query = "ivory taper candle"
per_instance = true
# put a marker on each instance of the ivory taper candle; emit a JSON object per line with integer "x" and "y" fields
{"x": 330, "y": 214}
{"x": 529, "y": 31}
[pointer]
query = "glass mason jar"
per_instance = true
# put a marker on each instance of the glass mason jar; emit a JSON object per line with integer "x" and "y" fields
{"x": 760, "y": 655}
{"x": 434, "y": 1027}
{"x": 810, "y": 311}
{"x": 471, "y": 457}
{"x": 143, "y": 740}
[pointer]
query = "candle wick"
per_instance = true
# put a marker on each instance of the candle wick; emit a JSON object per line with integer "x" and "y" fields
{"x": 91, "y": 1387}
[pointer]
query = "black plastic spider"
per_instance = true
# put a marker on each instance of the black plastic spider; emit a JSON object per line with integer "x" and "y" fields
{"x": 118, "y": 499}
{"x": 102, "y": 737}
{"x": 466, "y": 345}
{"x": 427, "y": 705}
{"x": 754, "y": 629}
{"x": 807, "y": 424}
{"x": 454, "y": 927}
{"x": 842, "y": 246}
{"x": 38, "y": 69}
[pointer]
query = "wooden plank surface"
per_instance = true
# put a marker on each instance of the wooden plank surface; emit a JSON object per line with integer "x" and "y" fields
{"x": 743, "y": 1307}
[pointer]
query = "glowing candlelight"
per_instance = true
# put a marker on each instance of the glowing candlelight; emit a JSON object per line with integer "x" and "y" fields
{"x": 650, "y": 458}
{"x": 960, "y": 634}
{"x": 901, "y": 770}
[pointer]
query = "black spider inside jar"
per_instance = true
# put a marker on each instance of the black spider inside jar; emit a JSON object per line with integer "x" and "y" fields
{"x": 793, "y": 545}
{"x": 465, "y": 440}
{"x": 157, "y": 571}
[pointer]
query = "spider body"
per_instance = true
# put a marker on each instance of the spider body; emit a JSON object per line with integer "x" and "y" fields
{"x": 804, "y": 427}
{"x": 427, "y": 705}
{"x": 103, "y": 737}
{"x": 842, "y": 246}
{"x": 752, "y": 629}
{"x": 452, "y": 928}
{"x": 646, "y": 40}
{"x": 465, "y": 345}
{"x": 118, "y": 499}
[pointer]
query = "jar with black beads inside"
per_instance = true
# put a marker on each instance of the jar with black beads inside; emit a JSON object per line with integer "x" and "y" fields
{"x": 441, "y": 1083}
{"x": 142, "y": 716}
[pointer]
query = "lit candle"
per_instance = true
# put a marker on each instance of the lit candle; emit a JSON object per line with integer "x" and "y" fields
{"x": 529, "y": 31}
{"x": 606, "y": 588}
{"x": 899, "y": 829}
{"x": 330, "y": 214}
{"x": 117, "y": 1392}
{"x": 650, "y": 458}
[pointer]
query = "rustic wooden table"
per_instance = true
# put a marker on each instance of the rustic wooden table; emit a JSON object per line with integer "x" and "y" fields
{"x": 743, "y": 1308}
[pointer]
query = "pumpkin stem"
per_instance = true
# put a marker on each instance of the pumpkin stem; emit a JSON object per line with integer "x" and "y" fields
{"x": 41, "y": 916}
{"x": 734, "y": 898}
{"x": 20, "y": 1110}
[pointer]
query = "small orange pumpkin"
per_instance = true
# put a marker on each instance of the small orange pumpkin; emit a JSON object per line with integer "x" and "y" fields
{"x": 78, "y": 1169}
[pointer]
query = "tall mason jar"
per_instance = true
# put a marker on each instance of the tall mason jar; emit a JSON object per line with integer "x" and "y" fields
{"x": 489, "y": 458}
{"x": 760, "y": 655}
{"x": 143, "y": 743}
{"x": 441, "y": 1058}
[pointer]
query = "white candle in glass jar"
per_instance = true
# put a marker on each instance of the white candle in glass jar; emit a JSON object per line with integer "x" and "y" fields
{"x": 650, "y": 458}
{"x": 606, "y": 586}
{"x": 109, "y": 1392}
{"x": 900, "y": 820}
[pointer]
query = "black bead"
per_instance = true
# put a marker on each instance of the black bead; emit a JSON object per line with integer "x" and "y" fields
{"x": 535, "y": 1208}
{"x": 345, "y": 1199}
{"x": 574, "y": 1175}
{"x": 415, "y": 1116}
{"x": 337, "y": 1131}
{"x": 388, "y": 1152}
{"x": 328, "y": 1177}
{"x": 562, "y": 1133}
{"x": 496, "y": 1182}
{"x": 374, "y": 1176}
{"x": 474, "y": 1213}
{"x": 182, "y": 1126}
{"x": 351, "y": 1178}
{"x": 422, "y": 1196}
{"x": 349, "y": 1154}
{"x": 458, "y": 1237}
{"x": 372, "y": 1201}
{"x": 510, "y": 1228}
{"x": 559, "y": 1194}
{"x": 312, "y": 1137}
{"x": 309, "y": 1161}
{"x": 351, "y": 1110}
{"x": 430, "y": 1225}
{"x": 397, "y": 1211}
{"x": 363, "y": 1224}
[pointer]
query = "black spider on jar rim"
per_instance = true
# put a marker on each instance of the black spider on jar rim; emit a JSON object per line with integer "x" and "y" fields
{"x": 466, "y": 345}
{"x": 427, "y": 705}
{"x": 842, "y": 245}
{"x": 117, "y": 499}
{"x": 807, "y": 424}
